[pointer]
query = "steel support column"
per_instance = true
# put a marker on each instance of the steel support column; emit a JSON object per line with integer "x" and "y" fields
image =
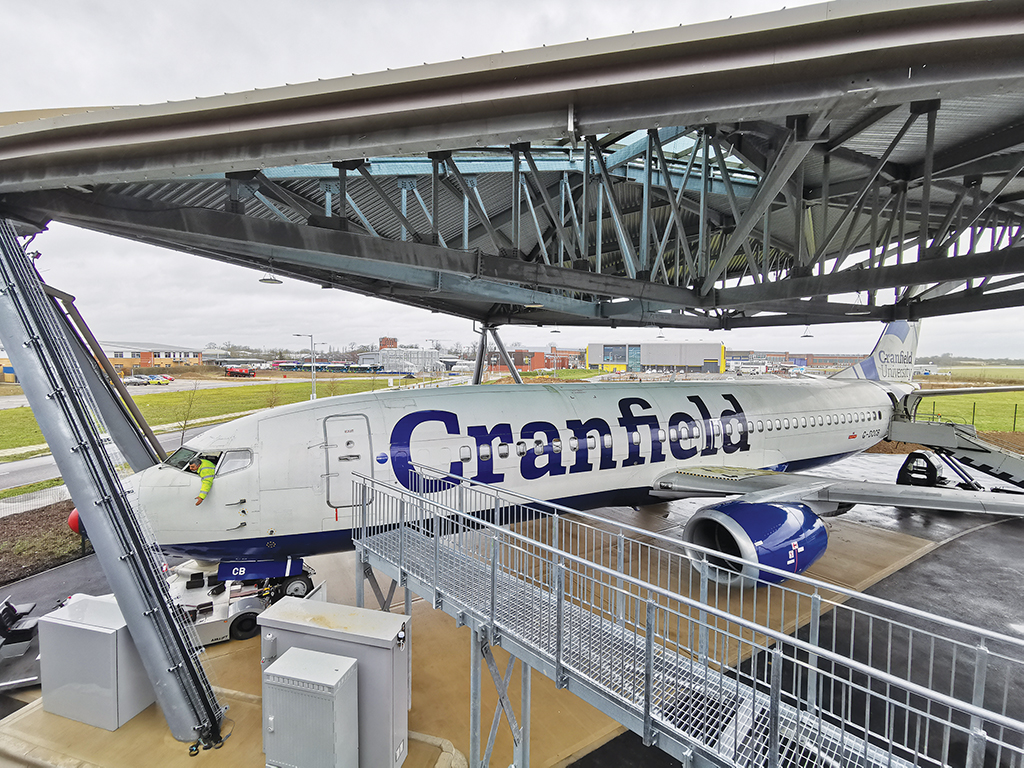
{"x": 54, "y": 385}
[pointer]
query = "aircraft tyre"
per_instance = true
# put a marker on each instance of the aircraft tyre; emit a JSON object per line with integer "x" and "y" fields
{"x": 244, "y": 626}
{"x": 297, "y": 586}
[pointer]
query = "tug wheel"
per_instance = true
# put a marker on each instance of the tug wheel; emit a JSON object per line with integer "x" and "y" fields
{"x": 244, "y": 626}
{"x": 297, "y": 586}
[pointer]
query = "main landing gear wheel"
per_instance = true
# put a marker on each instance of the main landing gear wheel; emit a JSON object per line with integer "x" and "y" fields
{"x": 297, "y": 586}
{"x": 244, "y": 626}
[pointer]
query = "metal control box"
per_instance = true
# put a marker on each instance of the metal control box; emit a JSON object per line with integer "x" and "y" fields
{"x": 90, "y": 669}
{"x": 377, "y": 640}
{"x": 311, "y": 711}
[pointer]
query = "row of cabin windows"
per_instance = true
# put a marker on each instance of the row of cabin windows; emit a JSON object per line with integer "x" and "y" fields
{"x": 683, "y": 433}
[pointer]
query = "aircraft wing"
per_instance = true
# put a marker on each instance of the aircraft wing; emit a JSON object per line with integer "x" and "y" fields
{"x": 765, "y": 486}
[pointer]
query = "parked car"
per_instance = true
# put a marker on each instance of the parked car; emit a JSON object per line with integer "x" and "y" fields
{"x": 157, "y": 380}
{"x": 135, "y": 381}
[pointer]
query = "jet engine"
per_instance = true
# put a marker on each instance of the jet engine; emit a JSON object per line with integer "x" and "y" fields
{"x": 786, "y": 536}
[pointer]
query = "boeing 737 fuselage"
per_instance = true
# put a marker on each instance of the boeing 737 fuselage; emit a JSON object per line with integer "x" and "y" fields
{"x": 284, "y": 478}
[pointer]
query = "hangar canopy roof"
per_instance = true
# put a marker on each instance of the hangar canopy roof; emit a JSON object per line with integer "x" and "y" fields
{"x": 855, "y": 160}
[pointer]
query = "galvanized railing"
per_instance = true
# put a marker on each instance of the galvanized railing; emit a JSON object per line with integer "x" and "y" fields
{"x": 803, "y": 673}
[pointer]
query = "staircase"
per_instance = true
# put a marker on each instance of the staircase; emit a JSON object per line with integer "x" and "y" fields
{"x": 962, "y": 442}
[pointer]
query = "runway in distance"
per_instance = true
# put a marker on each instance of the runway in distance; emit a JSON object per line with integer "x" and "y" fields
{"x": 283, "y": 485}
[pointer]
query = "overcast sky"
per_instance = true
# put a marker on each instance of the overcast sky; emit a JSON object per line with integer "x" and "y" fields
{"x": 107, "y": 52}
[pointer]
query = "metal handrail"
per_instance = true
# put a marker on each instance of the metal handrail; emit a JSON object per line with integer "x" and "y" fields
{"x": 798, "y": 577}
{"x": 779, "y": 637}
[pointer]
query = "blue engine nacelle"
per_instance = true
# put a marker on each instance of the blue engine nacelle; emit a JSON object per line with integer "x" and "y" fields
{"x": 782, "y": 535}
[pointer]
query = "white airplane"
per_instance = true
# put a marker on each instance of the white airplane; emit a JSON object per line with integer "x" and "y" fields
{"x": 283, "y": 485}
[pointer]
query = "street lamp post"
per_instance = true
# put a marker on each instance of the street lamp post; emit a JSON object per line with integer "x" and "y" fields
{"x": 312, "y": 360}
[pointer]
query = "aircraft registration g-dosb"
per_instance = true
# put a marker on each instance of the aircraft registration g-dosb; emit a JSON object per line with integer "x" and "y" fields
{"x": 283, "y": 485}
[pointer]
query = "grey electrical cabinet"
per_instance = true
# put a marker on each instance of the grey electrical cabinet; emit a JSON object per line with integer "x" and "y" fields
{"x": 377, "y": 641}
{"x": 311, "y": 711}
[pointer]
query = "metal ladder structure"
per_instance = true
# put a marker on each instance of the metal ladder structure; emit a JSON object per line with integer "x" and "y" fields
{"x": 961, "y": 441}
{"x": 799, "y": 674}
{"x": 67, "y": 399}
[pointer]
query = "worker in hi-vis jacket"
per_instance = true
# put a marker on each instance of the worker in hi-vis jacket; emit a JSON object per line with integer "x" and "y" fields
{"x": 205, "y": 469}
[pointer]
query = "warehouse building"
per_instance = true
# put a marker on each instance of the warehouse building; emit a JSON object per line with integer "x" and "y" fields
{"x": 125, "y": 356}
{"x": 665, "y": 356}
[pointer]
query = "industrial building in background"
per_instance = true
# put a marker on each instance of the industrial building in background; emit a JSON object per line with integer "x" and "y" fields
{"x": 662, "y": 356}
{"x": 125, "y": 357}
{"x": 391, "y": 358}
{"x": 537, "y": 359}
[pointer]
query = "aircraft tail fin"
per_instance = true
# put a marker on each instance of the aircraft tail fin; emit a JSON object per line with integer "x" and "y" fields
{"x": 893, "y": 357}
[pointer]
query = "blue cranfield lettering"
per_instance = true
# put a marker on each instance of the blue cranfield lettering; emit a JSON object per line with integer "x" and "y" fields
{"x": 632, "y": 423}
{"x": 401, "y": 437}
{"x": 582, "y": 431}
{"x": 486, "y": 437}
{"x": 538, "y": 448}
{"x": 545, "y": 453}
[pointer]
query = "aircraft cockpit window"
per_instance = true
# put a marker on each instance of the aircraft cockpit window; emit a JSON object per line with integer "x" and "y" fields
{"x": 232, "y": 461}
{"x": 485, "y": 453}
{"x": 465, "y": 453}
{"x": 502, "y": 450}
{"x": 180, "y": 458}
{"x": 521, "y": 448}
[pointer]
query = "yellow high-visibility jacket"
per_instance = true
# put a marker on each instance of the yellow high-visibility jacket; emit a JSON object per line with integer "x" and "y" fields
{"x": 206, "y": 470}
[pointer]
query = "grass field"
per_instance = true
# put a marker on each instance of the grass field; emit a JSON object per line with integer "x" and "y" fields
{"x": 991, "y": 412}
{"x": 18, "y": 426}
{"x": 1004, "y": 375}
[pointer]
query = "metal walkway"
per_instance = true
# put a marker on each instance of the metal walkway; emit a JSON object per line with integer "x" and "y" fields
{"x": 804, "y": 674}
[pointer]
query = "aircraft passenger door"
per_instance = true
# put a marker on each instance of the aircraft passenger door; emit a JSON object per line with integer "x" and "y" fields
{"x": 349, "y": 449}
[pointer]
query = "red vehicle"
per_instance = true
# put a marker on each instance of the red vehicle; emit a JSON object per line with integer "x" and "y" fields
{"x": 240, "y": 371}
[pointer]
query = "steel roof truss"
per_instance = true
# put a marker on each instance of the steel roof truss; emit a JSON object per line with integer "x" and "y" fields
{"x": 386, "y": 199}
{"x": 983, "y": 205}
{"x": 541, "y": 239}
{"x": 866, "y": 185}
{"x": 731, "y": 196}
{"x": 546, "y": 201}
{"x": 472, "y": 195}
{"x": 786, "y": 162}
